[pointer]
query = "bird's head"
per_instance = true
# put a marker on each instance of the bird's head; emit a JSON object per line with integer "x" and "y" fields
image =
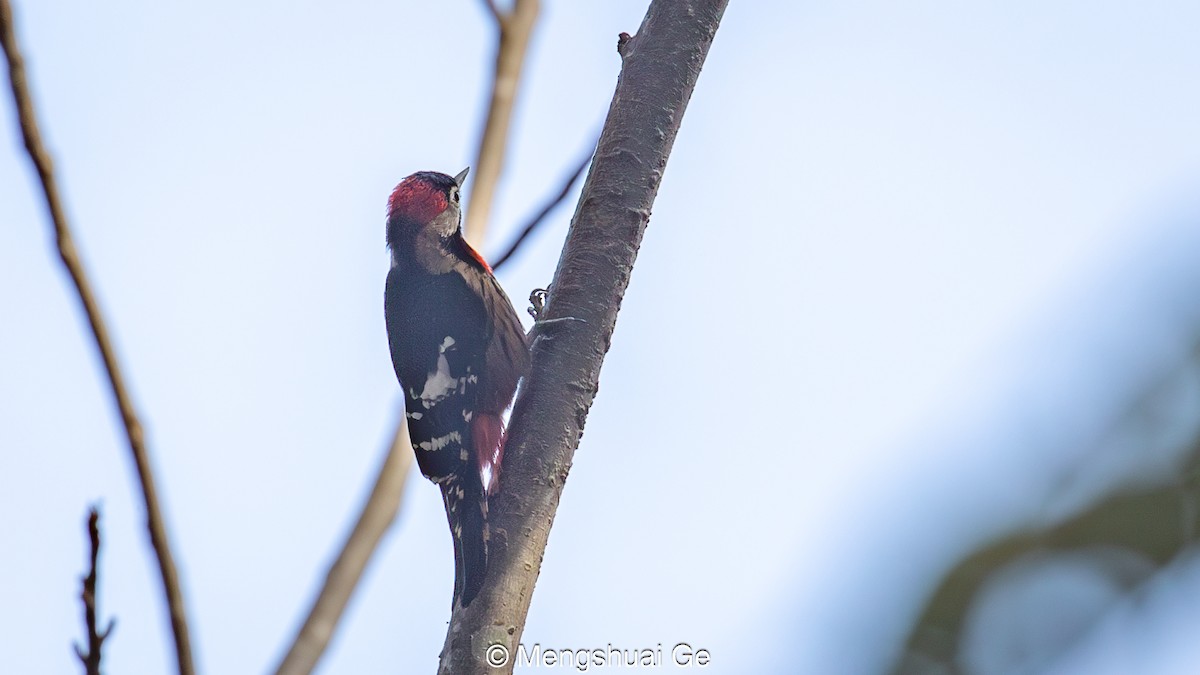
{"x": 427, "y": 204}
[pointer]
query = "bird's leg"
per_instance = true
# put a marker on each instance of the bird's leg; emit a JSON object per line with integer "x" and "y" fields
{"x": 537, "y": 300}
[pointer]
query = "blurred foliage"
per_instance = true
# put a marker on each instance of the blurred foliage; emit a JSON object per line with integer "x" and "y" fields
{"x": 1156, "y": 524}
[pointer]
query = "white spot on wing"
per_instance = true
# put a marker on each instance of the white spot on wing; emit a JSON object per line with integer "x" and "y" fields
{"x": 441, "y": 441}
{"x": 440, "y": 383}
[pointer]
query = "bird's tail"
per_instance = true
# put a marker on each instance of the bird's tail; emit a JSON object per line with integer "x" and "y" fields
{"x": 466, "y": 510}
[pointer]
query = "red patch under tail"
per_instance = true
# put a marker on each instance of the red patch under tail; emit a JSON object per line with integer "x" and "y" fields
{"x": 488, "y": 434}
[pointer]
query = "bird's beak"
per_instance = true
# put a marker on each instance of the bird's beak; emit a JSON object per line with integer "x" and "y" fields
{"x": 462, "y": 175}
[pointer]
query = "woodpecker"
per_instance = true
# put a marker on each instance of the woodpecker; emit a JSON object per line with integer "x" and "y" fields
{"x": 459, "y": 350}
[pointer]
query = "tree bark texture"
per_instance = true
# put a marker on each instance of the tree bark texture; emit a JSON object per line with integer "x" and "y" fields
{"x": 660, "y": 66}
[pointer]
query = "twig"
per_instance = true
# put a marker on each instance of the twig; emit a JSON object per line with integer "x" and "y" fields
{"x": 515, "y": 28}
{"x": 550, "y": 205}
{"x": 377, "y": 516}
{"x": 91, "y": 657}
{"x": 495, "y": 11}
{"x": 71, "y": 260}
{"x": 659, "y": 71}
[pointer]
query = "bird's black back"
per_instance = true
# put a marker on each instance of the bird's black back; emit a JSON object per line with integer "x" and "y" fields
{"x": 424, "y": 312}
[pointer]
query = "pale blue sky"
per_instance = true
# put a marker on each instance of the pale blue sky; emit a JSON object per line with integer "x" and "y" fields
{"x": 866, "y": 203}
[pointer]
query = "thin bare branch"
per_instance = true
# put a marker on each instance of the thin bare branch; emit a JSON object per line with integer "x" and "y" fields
{"x": 91, "y": 656}
{"x": 515, "y": 29}
{"x": 549, "y": 206}
{"x": 377, "y": 516}
{"x": 91, "y": 307}
{"x": 494, "y": 10}
{"x": 660, "y": 67}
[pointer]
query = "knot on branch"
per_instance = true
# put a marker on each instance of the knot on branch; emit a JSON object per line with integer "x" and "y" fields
{"x": 623, "y": 41}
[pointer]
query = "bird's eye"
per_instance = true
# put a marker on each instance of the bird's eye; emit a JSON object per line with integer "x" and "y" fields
{"x": 454, "y": 195}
